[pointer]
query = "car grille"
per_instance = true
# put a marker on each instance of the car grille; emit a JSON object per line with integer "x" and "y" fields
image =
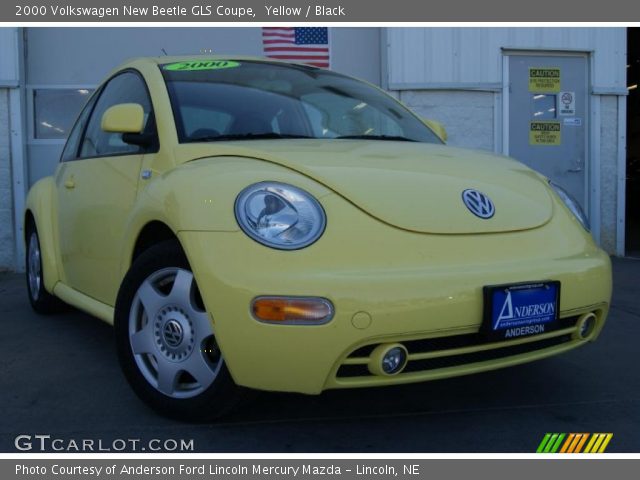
{"x": 457, "y": 350}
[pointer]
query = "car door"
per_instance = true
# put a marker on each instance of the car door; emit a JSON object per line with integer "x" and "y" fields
{"x": 97, "y": 186}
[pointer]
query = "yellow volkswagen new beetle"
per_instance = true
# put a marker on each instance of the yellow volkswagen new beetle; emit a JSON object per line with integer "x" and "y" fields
{"x": 252, "y": 223}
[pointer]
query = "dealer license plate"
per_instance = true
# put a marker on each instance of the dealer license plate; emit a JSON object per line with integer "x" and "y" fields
{"x": 520, "y": 310}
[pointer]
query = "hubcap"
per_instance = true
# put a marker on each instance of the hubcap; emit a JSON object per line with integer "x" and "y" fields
{"x": 171, "y": 336}
{"x": 174, "y": 333}
{"x": 34, "y": 266}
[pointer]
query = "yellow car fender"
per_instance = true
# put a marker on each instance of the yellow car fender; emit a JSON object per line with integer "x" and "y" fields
{"x": 40, "y": 205}
{"x": 200, "y": 196}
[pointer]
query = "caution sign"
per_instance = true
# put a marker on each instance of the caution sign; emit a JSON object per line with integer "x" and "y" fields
{"x": 544, "y": 80}
{"x": 544, "y": 133}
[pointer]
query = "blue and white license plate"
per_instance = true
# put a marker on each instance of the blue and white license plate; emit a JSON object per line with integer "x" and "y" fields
{"x": 520, "y": 310}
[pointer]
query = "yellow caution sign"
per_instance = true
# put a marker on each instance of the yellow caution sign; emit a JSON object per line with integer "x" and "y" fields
{"x": 544, "y": 133}
{"x": 544, "y": 80}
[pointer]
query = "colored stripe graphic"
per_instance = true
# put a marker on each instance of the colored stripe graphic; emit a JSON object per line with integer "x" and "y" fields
{"x": 581, "y": 442}
{"x": 598, "y": 443}
{"x": 543, "y": 443}
{"x": 568, "y": 442}
{"x": 574, "y": 443}
{"x": 550, "y": 443}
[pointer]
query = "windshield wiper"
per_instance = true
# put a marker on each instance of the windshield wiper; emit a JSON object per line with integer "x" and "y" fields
{"x": 377, "y": 137}
{"x": 245, "y": 136}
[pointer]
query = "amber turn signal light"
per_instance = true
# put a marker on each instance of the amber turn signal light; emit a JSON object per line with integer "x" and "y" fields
{"x": 292, "y": 310}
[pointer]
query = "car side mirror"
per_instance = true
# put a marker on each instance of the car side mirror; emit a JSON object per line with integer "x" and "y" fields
{"x": 437, "y": 127}
{"x": 123, "y": 118}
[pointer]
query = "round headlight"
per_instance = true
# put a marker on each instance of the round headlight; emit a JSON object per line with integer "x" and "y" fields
{"x": 279, "y": 215}
{"x": 572, "y": 204}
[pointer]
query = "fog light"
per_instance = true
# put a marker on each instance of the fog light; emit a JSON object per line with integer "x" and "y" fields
{"x": 292, "y": 310}
{"x": 585, "y": 325}
{"x": 388, "y": 359}
{"x": 393, "y": 360}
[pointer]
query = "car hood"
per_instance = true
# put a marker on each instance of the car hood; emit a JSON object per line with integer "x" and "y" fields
{"x": 410, "y": 185}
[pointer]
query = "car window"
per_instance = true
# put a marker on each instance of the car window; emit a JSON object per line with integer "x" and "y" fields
{"x": 206, "y": 122}
{"x": 202, "y": 122}
{"x": 70, "y": 151}
{"x": 127, "y": 87}
{"x": 348, "y": 116}
{"x": 249, "y": 100}
{"x": 232, "y": 110}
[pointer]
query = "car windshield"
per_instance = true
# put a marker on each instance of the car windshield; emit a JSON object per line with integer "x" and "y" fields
{"x": 219, "y": 100}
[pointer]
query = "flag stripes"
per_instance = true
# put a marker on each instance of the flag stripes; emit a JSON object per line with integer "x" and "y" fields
{"x": 308, "y": 45}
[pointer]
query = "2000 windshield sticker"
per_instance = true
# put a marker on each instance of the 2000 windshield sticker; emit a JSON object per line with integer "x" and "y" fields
{"x": 200, "y": 65}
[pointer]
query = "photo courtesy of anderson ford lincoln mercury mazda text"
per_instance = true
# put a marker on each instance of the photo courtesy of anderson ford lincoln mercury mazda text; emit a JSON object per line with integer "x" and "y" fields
{"x": 253, "y": 223}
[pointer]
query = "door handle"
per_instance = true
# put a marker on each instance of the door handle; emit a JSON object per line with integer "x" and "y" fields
{"x": 70, "y": 184}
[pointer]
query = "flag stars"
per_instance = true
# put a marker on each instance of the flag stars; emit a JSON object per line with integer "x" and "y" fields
{"x": 312, "y": 35}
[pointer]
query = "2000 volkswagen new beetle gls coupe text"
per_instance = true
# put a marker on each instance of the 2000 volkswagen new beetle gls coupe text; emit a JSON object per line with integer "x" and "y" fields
{"x": 254, "y": 223}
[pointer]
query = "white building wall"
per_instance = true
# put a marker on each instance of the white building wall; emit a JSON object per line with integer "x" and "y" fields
{"x": 6, "y": 202}
{"x": 9, "y": 86}
{"x": 467, "y": 115}
{"x": 608, "y": 170}
{"x": 84, "y": 55}
{"x": 431, "y": 57}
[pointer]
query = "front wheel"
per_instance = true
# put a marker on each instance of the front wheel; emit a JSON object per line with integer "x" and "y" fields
{"x": 41, "y": 300}
{"x": 166, "y": 342}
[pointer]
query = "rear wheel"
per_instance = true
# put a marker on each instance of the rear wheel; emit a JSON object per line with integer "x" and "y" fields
{"x": 41, "y": 300}
{"x": 166, "y": 342}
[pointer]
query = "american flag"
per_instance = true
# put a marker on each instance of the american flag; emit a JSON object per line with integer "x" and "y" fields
{"x": 308, "y": 45}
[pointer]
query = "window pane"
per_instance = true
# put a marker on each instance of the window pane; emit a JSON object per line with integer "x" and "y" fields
{"x": 56, "y": 109}
{"x": 543, "y": 107}
{"x": 70, "y": 151}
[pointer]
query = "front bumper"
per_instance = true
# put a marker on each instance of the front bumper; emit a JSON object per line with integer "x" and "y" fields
{"x": 387, "y": 286}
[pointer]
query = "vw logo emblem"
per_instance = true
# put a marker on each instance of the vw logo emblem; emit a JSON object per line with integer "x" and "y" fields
{"x": 172, "y": 333}
{"x": 478, "y": 203}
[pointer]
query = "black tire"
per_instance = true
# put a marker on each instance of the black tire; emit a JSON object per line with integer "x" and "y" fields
{"x": 211, "y": 402}
{"x": 41, "y": 301}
